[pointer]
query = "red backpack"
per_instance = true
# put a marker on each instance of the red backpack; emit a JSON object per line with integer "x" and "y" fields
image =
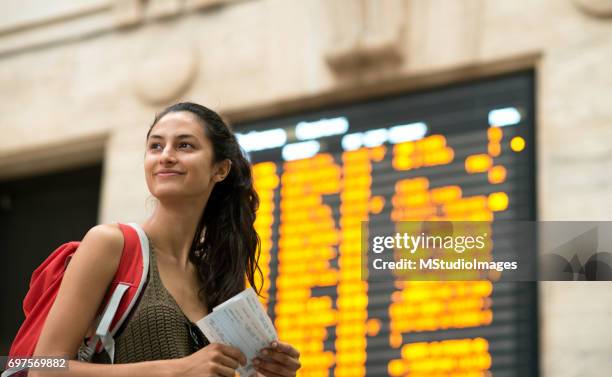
{"x": 123, "y": 293}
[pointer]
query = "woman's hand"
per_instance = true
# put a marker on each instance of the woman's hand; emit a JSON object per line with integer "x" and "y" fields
{"x": 278, "y": 360}
{"x": 213, "y": 360}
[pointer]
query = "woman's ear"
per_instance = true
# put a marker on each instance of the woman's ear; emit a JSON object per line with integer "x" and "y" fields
{"x": 222, "y": 169}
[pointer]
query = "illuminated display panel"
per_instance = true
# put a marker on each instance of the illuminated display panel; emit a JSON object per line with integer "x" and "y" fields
{"x": 462, "y": 153}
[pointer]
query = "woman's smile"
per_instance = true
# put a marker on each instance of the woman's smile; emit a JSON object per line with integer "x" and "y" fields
{"x": 165, "y": 175}
{"x": 168, "y": 173}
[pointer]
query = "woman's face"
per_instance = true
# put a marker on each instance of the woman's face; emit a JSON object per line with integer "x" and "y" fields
{"x": 179, "y": 158}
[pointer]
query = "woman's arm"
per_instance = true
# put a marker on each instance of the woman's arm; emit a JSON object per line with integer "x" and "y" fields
{"x": 85, "y": 282}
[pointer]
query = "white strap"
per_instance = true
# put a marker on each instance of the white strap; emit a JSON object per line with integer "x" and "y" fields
{"x": 109, "y": 313}
{"x": 11, "y": 371}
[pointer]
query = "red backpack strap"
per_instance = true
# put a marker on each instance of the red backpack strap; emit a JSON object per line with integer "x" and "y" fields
{"x": 126, "y": 287}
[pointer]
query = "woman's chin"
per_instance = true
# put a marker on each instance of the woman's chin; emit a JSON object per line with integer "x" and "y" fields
{"x": 179, "y": 194}
{"x": 169, "y": 195}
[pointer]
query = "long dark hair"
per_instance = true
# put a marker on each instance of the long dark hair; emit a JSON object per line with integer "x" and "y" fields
{"x": 231, "y": 247}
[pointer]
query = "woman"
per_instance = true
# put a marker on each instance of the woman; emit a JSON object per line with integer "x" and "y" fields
{"x": 203, "y": 245}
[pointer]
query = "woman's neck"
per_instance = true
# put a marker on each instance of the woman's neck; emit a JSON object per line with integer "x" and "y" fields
{"x": 172, "y": 228}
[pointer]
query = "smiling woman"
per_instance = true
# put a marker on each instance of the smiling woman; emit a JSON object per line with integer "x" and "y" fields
{"x": 203, "y": 250}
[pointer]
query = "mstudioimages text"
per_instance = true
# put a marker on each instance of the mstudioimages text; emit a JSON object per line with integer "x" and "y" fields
{"x": 433, "y": 264}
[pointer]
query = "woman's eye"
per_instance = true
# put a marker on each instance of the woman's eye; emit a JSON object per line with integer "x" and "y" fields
{"x": 185, "y": 145}
{"x": 155, "y": 146}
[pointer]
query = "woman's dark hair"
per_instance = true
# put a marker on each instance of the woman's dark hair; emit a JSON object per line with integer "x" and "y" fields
{"x": 231, "y": 246}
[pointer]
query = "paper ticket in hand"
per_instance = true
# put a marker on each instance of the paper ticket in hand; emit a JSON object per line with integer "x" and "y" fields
{"x": 240, "y": 322}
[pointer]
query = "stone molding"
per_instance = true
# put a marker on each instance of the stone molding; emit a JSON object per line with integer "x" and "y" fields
{"x": 94, "y": 19}
{"x": 365, "y": 34}
{"x": 164, "y": 70}
{"x": 53, "y": 156}
{"x": 595, "y": 8}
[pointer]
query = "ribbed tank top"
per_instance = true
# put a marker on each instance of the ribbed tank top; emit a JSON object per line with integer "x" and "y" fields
{"x": 157, "y": 329}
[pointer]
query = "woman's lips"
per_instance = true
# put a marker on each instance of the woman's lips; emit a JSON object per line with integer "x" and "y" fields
{"x": 168, "y": 174}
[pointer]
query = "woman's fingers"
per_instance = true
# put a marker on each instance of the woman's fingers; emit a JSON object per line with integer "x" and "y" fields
{"x": 282, "y": 358}
{"x": 232, "y": 352}
{"x": 224, "y": 371}
{"x": 286, "y": 348}
{"x": 272, "y": 369}
{"x": 226, "y": 361}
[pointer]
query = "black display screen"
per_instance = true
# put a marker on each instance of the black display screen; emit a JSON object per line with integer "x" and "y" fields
{"x": 463, "y": 152}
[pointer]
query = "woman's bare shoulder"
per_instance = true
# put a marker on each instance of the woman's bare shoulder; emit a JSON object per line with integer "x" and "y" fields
{"x": 108, "y": 234}
{"x": 105, "y": 232}
{"x": 102, "y": 244}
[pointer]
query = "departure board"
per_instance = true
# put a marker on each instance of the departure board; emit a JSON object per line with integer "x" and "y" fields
{"x": 462, "y": 152}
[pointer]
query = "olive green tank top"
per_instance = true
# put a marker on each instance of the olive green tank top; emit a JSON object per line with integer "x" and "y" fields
{"x": 156, "y": 329}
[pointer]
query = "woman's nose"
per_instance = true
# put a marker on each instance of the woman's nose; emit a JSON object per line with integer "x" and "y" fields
{"x": 167, "y": 155}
